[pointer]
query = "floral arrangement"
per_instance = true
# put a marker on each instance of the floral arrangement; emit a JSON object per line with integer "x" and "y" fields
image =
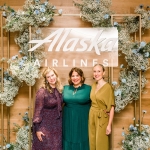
{"x": 34, "y": 13}
{"x": 128, "y": 90}
{"x": 133, "y": 22}
{"x": 134, "y": 139}
{"x": 136, "y": 54}
{"x": 97, "y": 12}
{"x": 24, "y": 69}
{"x": 22, "y": 135}
{"x": 23, "y": 38}
{"x": 37, "y": 14}
{"x": 11, "y": 87}
{"x": 124, "y": 39}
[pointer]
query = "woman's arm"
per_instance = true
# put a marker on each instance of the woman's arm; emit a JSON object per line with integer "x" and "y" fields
{"x": 111, "y": 116}
{"x": 37, "y": 118}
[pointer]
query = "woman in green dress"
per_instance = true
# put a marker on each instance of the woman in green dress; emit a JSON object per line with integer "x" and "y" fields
{"x": 76, "y": 97}
{"x": 101, "y": 111}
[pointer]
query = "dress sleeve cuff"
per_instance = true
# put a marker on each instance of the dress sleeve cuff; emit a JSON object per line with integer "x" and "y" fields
{"x": 36, "y": 127}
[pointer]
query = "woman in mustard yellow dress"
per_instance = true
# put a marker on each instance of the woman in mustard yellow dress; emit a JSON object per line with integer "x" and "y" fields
{"x": 101, "y": 111}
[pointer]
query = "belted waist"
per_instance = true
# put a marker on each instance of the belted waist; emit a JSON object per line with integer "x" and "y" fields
{"x": 101, "y": 115}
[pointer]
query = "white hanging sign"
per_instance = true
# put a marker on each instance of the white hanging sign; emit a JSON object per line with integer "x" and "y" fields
{"x": 81, "y": 47}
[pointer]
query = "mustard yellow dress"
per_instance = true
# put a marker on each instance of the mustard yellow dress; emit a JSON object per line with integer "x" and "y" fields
{"x": 102, "y": 101}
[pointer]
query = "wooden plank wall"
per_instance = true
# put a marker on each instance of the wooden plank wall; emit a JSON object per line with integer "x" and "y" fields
{"x": 122, "y": 119}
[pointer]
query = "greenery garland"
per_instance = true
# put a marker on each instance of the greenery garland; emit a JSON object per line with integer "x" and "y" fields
{"x": 97, "y": 12}
{"x": 134, "y": 138}
{"x": 128, "y": 89}
{"x": 35, "y": 14}
{"x": 10, "y": 90}
{"x": 132, "y": 23}
{"x": 24, "y": 69}
{"x": 22, "y": 135}
{"x": 136, "y": 54}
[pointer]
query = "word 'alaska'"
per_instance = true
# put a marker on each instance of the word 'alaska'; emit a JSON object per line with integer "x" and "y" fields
{"x": 59, "y": 39}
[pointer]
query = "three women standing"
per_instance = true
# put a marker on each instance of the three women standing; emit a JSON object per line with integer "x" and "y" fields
{"x": 76, "y": 97}
{"x": 101, "y": 111}
{"x": 77, "y": 119}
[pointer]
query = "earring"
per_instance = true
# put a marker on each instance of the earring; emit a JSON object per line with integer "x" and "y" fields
{"x": 46, "y": 81}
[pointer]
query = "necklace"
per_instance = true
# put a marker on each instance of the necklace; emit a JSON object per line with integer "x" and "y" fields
{"x": 74, "y": 92}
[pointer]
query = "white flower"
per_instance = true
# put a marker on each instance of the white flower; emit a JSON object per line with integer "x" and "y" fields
{"x": 106, "y": 16}
{"x": 114, "y": 83}
{"x": 115, "y": 23}
{"x": 42, "y": 9}
{"x": 8, "y": 145}
{"x": 147, "y": 139}
{"x": 121, "y": 66}
{"x": 60, "y": 11}
{"x": 43, "y": 19}
{"x": 142, "y": 44}
{"x": 144, "y": 111}
{"x": 123, "y": 80}
{"x": 123, "y": 134}
{"x": 117, "y": 92}
{"x": 146, "y": 54}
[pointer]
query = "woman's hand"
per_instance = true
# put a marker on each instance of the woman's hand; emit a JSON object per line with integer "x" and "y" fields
{"x": 39, "y": 135}
{"x": 108, "y": 130}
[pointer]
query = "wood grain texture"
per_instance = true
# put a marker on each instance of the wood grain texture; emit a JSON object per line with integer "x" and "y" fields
{"x": 122, "y": 119}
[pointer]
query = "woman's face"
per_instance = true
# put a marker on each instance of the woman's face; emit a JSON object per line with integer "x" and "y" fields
{"x": 76, "y": 78}
{"x": 51, "y": 78}
{"x": 98, "y": 73}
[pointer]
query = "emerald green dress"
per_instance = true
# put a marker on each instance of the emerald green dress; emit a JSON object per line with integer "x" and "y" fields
{"x": 75, "y": 117}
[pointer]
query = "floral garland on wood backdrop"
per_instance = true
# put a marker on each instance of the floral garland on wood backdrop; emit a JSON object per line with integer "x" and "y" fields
{"x": 134, "y": 139}
{"x": 36, "y": 14}
{"x": 22, "y": 135}
{"x": 97, "y": 12}
{"x": 136, "y": 54}
{"x": 11, "y": 88}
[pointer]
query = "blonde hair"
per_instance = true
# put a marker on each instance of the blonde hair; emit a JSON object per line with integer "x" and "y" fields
{"x": 100, "y": 65}
{"x": 46, "y": 84}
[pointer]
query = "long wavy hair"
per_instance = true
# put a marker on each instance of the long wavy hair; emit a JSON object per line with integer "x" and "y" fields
{"x": 46, "y": 85}
{"x": 79, "y": 71}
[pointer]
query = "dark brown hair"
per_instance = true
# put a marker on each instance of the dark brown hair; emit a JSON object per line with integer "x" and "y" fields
{"x": 79, "y": 71}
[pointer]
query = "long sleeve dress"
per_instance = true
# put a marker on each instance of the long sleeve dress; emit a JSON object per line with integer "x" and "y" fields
{"x": 48, "y": 119}
{"x": 102, "y": 101}
{"x": 75, "y": 117}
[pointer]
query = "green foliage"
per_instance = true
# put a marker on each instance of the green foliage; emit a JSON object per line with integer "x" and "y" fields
{"x": 97, "y": 12}
{"x": 22, "y": 135}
